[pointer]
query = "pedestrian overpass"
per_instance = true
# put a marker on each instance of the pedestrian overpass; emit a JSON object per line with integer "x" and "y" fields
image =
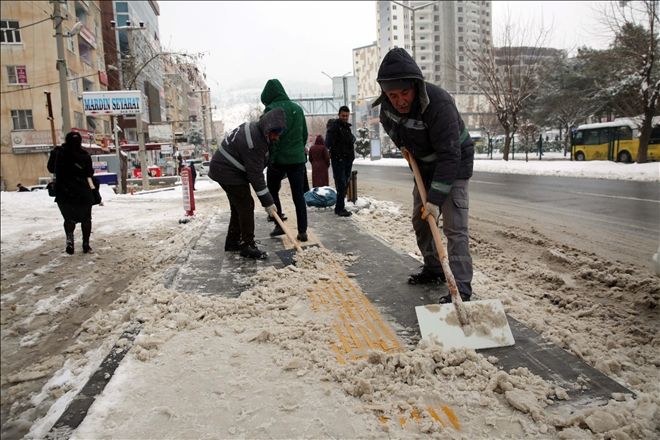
{"x": 321, "y": 105}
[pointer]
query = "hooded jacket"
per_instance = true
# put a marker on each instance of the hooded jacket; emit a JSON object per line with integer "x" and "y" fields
{"x": 290, "y": 148}
{"x": 72, "y": 165}
{"x": 243, "y": 155}
{"x": 320, "y": 160}
{"x": 433, "y": 131}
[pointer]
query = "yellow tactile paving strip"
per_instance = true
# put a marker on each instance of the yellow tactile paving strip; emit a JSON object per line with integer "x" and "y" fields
{"x": 360, "y": 328}
{"x": 358, "y": 325}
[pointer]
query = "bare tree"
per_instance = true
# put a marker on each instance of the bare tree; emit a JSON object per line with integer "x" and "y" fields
{"x": 637, "y": 55}
{"x": 254, "y": 113}
{"x": 507, "y": 75}
{"x": 317, "y": 125}
{"x": 567, "y": 95}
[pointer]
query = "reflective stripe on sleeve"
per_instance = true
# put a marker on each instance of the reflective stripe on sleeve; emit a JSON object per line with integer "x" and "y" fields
{"x": 248, "y": 136}
{"x": 231, "y": 158}
{"x": 413, "y": 124}
{"x": 464, "y": 135}
{"x": 440, "y": 186}
{"x": 263, "y": 192}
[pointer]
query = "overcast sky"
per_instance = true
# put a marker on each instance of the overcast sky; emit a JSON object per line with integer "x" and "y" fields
{"x": 249, "y": 42}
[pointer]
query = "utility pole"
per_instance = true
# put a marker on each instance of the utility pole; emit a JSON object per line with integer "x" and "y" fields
{"x": 61, "y": 68}
{"x": 138, "y": 117}
{"x": 204, "y": 108}
{"x": 206, "y": 140}
{"x": 49, "y": 106}
{"x": 345, "y": 84}
{"x": 121, "y": 183}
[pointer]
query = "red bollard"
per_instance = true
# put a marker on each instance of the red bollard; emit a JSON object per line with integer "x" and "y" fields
{"x": 187, "y": 191}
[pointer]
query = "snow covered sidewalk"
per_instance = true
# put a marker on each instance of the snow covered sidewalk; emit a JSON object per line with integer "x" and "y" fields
{"x": 262, "y": 365}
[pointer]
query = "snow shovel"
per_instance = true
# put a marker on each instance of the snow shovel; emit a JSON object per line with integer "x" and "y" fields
{"x": 287, "y": 255}
{"x": 475, "y": 324}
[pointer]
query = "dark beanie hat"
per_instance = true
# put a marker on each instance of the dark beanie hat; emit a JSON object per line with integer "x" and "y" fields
{"x": 319, "y": 140}
{"x": 73, "y": 138}
{"x": 396, "y": 84}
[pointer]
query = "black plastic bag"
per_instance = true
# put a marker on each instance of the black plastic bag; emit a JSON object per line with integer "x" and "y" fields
{"x": 51, "y": 188}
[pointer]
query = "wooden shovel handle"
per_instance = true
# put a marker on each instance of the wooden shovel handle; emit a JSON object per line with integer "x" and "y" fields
{"x": 442, "y": 252}
{"x": 287, "y": 232}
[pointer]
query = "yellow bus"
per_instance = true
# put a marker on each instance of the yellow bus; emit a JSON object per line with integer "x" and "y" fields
{"x": 617, "y": 140}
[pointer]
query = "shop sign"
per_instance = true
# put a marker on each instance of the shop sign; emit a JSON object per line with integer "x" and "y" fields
{"x": 120, "y": 102}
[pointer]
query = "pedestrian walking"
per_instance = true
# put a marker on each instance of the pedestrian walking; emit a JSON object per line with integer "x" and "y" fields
{"x": 320, "y": 160}
{"x": 340, "y": 141}
{"x": 288, "y": 157}
{"x": 423, "y": 118}
{"x": 238, "y": 163}
{"x": 73, "y": 170}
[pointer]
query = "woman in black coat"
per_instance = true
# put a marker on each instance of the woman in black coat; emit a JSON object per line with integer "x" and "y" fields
{"x": 73, "y": 171}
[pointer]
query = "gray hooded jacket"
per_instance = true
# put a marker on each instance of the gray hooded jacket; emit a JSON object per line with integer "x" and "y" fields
{"x": 243, "y": 154}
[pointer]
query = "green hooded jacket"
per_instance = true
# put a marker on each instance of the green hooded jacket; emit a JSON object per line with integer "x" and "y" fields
{"x": 290, "y": 148}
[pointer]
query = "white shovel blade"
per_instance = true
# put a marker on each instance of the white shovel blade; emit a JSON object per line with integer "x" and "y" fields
{"x": 488, "y": 326}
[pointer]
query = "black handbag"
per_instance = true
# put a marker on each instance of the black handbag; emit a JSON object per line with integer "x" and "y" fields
{"x": 51, "y": 188}
{"x": 96, "y": 193}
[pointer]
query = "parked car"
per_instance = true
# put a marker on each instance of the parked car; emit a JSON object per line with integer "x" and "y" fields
{"x": 393, "y": 154}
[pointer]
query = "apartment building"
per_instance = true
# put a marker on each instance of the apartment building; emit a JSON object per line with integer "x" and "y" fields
{"x": 365, "y": 69}
{"x": 132, "y": 40}
{"x": 437, "y": 34}
{"x": 28, "y": 59}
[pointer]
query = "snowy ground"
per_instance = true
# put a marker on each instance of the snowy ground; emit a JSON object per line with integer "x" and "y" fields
{"x": 261, "y": 366}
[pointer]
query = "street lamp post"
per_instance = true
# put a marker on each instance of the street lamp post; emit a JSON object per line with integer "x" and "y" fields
{"x": 344, "y": 79}
{"x": 412, "y": 10}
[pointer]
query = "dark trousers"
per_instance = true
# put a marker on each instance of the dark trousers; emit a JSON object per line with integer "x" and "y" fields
{"x": 455, "y": 227}
{"x": 341, "y": 172}
{"x": 241, "y": 222}
{"x": 297, "y": 174}
{"x": 76, "y": 213}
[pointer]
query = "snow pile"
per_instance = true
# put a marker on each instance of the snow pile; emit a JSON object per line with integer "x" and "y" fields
{"x": 261, "y": 365}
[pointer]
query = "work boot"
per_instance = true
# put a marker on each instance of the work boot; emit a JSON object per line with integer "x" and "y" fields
{"x": 232, "y": 246}
{"x": 86, "y": 248}
{"x": 282, "y": 217}
{"x": 277, "y": 231}
{"x": 426, "y": 277}
{"x": 302, "y": 236}
{"x": 69, "y": 243}
{"x": 250, "y": 250}
{"x": 447, "y": 299}
{"x": 344, "y": 213}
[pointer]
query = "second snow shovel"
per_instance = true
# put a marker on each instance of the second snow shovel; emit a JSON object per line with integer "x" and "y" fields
{"x": 475, "y": 324}
{"x": 287, "y": 255}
